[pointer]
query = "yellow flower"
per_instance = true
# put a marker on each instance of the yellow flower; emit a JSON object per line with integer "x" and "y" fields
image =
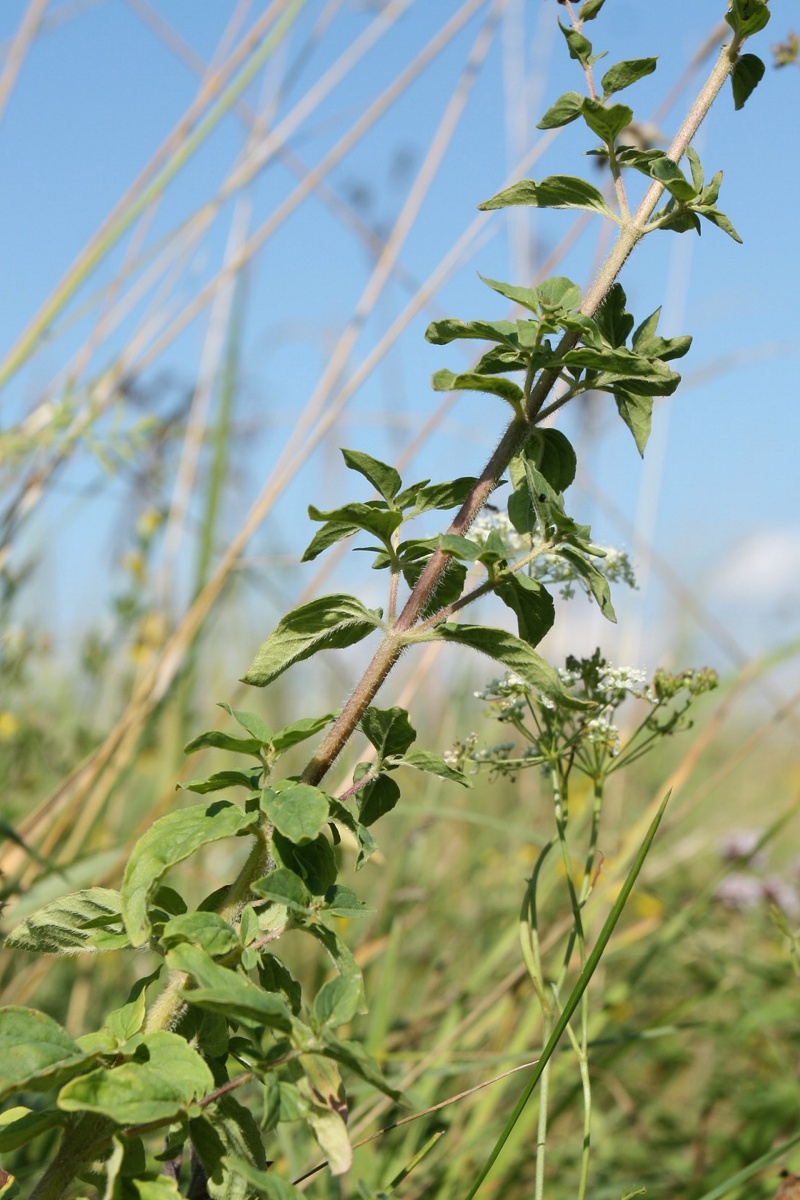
{"x": 9, "y": 726}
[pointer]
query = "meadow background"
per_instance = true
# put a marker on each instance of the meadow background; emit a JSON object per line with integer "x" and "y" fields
{"x": 225, "y": 228}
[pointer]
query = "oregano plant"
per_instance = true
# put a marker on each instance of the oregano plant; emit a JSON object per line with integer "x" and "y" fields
{"x": 184, "y": 1088}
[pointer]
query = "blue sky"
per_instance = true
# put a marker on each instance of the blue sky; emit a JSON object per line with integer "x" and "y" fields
{"x": 717, "y": 496}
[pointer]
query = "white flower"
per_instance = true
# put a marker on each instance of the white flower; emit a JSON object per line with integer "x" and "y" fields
{"x": 499, "y": 523}
{"x": 600, "y": 732}
{"x": 617, "y": 682}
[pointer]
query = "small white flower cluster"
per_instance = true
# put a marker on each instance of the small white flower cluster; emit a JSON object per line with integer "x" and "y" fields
{"x": 555, "y": 568}
{"x": 460, "y": 750}
{"x": 499, "y": 523}
{"x": 552, "y": 568}
{"x": 567, "y": 677}
{"x": 618, "y": 682}
{"x": 600, "y": 732}
{"x": 508, "y": 694}
{"x": 616, "y": 566}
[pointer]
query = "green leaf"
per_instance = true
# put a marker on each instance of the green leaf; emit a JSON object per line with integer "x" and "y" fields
{"x": 434, "y": 764}
{"x": 389, "y": 730}
{"x": 607, "y": 121}
{"x": 384, "y": 479}
{"x": 314, "y": 861}
{"x": 122, "y": 1023}
{"x": 471, "y": 381}
{"x": 669, "y": 173}
{"x": 211, "y": 1139}
{"x": 298, "y": 810}
{"x": 265, "y": 1183}
{"x": 696, "y": 168}
{"x": 343, "y": 902}
{"x": 254, "y": 725}
{"x": 353, "y": 1055}
{"x": 232, "y": 1130}
{"x": 580, "y": 48}
{"x": 643, "y": 375}
{"x": 623, "y": 74}
{"x": 451, "y": 494}
{"x": 413, "y": 558}
{"x": 339, "y": 951}
{"x": 594, "y": 579}
{"x": 275, "y": 977}
{"x": 18, "y": 1126}
{"x": 678, "y": 218}
{"x": 224, "y": 741}
{"x": 35, "y": 1052}
{"x": 249, "y": 928}
{"x": 719, "y": 219}
{"x": 460, "y": 547}
{"x": 166, "y": 1078}
{"x": 208, "y": 930}
{"x": 337, "y": 1001}
{"x": 589, "y": 9}
{"x": 566, "y": 108}
{"x": 298, "y": 731}
{"x": 367, "y": 844}
{"x": 283, "y": 1102}
{"x": 710, "y": 193}
{"x": 330, "y": 533}
{"x": 647, "y": 344}
{"x": 556, "y": 191}
{"x": 516, "y": 655}
{"x": 377, "y": 798}
{"x": 330, "y": 622}
{"x": 527, "y": 297}
{"x": 557, "y": 460}
{"x": 380, "y": 522}
{"x": 222, "y": 780}
{"x": 284, "y": 887}
{"x": 330, "y": 1131}
{"x": 161, "y": 1187}
{"x": 208, "y": 1147}
{"x": 90, "y": 920}
{"x": 532, "y": 604}
{"x": 170, "y": 840}
{"x": 493, "y": 551}
{"x": 558, "y": 294}
{"x": 226, "y": 991}
{"x": 643, "y": 333}
{"x": 440, "y": 333}
{"x": 639, "y": 160}
{"x": 611, "y": 318}
{"x": 747, "y": 17}
{"x": 637, "y": 413}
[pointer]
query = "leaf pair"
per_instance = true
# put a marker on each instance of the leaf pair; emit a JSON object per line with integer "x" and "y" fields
{"x": 381, "y": 518}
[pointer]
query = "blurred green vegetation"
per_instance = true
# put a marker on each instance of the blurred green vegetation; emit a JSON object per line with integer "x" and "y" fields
{"x": 695, "y": 1040}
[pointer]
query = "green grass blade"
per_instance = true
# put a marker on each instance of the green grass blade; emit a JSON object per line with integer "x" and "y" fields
{"x": 574, "y": 999}
{"x": 733, "y": 1181}
{"x": 418, "y": 1157}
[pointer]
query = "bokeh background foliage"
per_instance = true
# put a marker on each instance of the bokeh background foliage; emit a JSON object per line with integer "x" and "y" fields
{"x": 229, "y": 227}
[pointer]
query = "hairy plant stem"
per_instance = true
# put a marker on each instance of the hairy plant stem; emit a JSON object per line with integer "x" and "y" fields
{"x": 512, "y": 441}
{"x": 83, "y": 1135}
{"x": 78, "y": 1144}
{"x": 515, "y": 436}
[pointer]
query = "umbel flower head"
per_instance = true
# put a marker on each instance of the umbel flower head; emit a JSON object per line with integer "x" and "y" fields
{"x": 588, "y": 738}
